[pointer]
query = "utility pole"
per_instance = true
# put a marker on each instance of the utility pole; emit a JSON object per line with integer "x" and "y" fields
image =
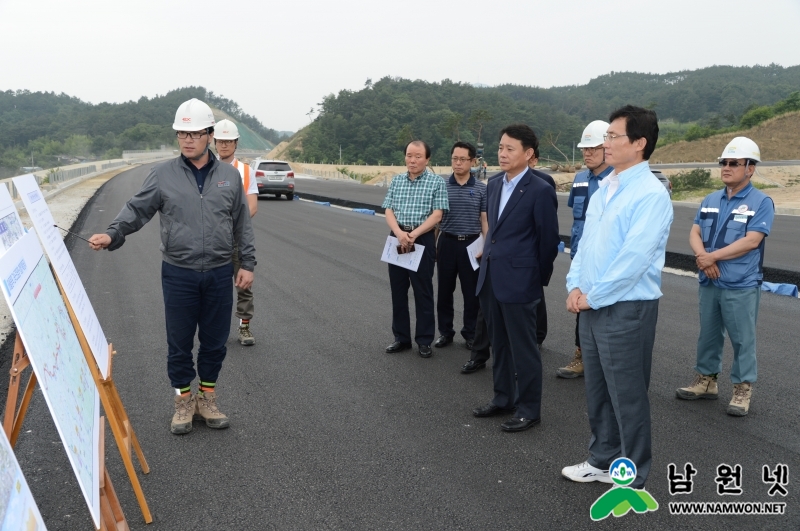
{"x": 573, "y": 153}
{"x": 340, "y": 154}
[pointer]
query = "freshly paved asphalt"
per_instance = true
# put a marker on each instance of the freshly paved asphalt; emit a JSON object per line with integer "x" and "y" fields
{"x": 781, "y": 249}
{"x": 329, "y": 432}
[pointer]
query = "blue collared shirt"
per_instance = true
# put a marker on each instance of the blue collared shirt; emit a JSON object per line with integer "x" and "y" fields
{"x": 723, "y": 221}
{"x": 508, "y": 187}
{"x": 624, "y": 243}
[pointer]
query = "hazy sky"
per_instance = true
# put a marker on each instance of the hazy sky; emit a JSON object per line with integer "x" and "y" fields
{"x": 278, "y": 59}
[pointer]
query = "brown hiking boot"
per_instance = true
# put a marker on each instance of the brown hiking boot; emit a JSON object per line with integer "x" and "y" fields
{"x": 701, "y": 387}
{"x": 574, "y": 369}
{"x": 740, "y": 403}
{"x": 208, "y": 410}
{"x": 184, "y": 411}
{"x": 246, "y": 336}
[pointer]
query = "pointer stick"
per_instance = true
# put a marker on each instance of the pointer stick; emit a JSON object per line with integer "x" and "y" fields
{"x": 70, "y": 232}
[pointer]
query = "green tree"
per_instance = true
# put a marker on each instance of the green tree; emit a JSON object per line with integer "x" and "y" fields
{"x": 755, "y": 116}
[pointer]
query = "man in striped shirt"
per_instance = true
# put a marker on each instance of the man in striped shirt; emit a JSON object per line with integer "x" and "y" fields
{"x": 461, "y": 225}
{"x": 414, "y": 203}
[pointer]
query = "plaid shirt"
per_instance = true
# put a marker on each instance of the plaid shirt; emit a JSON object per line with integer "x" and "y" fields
{"x": 414, "y": 201}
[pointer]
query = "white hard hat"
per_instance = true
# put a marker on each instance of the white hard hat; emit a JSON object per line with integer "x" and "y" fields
{"x": 593, "y": 134}
{"x": 741, "y": 148}
{"x": 193, "y": 115}
{"x": 226, "y": 130}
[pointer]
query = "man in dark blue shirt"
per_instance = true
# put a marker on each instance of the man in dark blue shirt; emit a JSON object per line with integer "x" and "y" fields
{"x": 460, "y": 226}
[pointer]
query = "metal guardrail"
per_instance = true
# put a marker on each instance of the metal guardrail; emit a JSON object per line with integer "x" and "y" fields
{"x": 147, "y": 154}
{"x": 113, "y": 165}
{"x": 56, "y": 177}
{"x": 59, "y": 176}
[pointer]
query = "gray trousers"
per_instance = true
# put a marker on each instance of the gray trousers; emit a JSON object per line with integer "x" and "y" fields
{"x": 244, "y": 297}
{"x": 734, "y": 310}
{"x": 617, "y": 346}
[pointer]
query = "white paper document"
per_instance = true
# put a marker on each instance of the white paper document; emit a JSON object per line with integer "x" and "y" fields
{"x": 474, "y": 248}
{"x": 407, "y": 260}
{"x": 65, "y": 269}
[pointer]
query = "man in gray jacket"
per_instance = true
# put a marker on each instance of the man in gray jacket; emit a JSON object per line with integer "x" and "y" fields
{"x": 202, "y": 208}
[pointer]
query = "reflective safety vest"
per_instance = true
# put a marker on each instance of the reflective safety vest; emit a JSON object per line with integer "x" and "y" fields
{"x": 244, "y": 171}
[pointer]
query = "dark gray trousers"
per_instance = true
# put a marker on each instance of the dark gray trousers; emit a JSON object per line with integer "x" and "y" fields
{"x": 617, "y": 345}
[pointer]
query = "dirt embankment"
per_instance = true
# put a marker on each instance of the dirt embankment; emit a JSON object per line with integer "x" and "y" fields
{"x": 778, "y": 139}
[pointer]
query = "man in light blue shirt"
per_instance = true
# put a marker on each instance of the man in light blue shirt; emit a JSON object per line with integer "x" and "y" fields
{"x": 615, "y": 283}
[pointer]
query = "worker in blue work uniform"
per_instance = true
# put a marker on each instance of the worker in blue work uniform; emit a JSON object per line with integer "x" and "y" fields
{"x": 584, "y": 186}
{"x": 727, "y": 238}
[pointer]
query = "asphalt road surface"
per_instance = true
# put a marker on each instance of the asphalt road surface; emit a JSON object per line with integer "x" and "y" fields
{"x": 781, "y": 248}
{"x": 329, "y": 432}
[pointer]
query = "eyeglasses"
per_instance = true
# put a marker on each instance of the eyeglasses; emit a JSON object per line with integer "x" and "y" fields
{"x": 194, "y": 136}
{"x": 591, "y": 150}
{"x": 460, "y": 159}
{"x": 731, "y": 163}
{"x": 611, "y": 138}
{"x": 225, "y": 142}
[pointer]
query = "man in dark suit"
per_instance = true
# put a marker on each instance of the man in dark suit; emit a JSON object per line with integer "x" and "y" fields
{"x": 541, "y": 309}
{"x": 517, "y": 261}
{"x": 481, "y": 343}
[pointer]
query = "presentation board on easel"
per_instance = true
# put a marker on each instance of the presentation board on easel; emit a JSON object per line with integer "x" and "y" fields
{"x": 18, "y": 510}
{"x": 62, "y": 263}
{"x": 60, "y": 365}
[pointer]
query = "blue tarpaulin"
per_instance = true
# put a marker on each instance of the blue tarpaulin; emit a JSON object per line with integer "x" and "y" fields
{"x": 780, "y": 289}
{"x": 323, "y": 203}
{"x": 364, "y": 211}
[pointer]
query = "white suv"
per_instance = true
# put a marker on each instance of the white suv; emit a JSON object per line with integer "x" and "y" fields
{"x": 274, "y": 177}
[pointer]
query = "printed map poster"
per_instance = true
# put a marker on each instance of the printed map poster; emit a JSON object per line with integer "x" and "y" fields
{"x": 57, "y": 359}
{"x": 65, "y": 269}
{"x": 18, "y": 511}
{"x": 11, "y": 228}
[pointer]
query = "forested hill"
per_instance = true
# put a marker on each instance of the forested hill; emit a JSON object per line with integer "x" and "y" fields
{"x": 50, "y": 124}
{"x": 722, "y": 93}
{"x": 371, "y": 124}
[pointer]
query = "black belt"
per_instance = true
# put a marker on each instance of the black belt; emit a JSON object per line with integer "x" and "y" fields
{"x": 409, "y": 228}
{"x": 461, "y": 237}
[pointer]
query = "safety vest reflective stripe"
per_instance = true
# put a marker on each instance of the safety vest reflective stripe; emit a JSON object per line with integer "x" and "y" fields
{"x": 244, "y": 171}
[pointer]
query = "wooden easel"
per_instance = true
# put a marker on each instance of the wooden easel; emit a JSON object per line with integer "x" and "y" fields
{"x": 12, "y": 422}
{"x": 111, "y": 515}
